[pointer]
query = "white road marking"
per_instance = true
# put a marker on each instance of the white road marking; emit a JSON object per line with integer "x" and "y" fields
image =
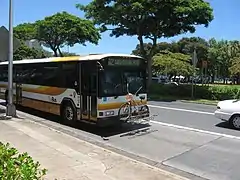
{"x": 184, "y": 110}
{"x": 196, "y": 130}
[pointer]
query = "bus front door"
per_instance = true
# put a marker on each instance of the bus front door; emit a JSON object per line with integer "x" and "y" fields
{"x": 88, "y": 92}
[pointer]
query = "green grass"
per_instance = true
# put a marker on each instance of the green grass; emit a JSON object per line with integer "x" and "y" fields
{"x": 208, "y": 94}
{"x": 222, "y": 85}
{"x": 202, "y": 101}
{"x": 182, "y": 99}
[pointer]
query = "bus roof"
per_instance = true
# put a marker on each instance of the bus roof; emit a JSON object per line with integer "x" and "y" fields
{"x": 70, "y": 58}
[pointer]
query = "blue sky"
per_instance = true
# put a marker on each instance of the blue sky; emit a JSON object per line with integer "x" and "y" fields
{"x": 225, "y": 25}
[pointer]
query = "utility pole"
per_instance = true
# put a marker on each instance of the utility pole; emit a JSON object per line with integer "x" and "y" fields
{"x": 11, "y": 109}
{"x": 194, "y": 62}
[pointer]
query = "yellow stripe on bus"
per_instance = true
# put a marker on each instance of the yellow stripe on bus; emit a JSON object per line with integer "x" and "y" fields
{"x": 71, "y": 58}
{"x": 54, "y": 91}
{"x": 3, "y": 85}
{"x": 117, "y": 105}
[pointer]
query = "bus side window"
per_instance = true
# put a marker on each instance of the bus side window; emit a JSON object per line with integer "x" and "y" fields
{"x": 70, "y": 75}
{"x": 4, "y": 73}
{"x": 1, "y": 73}
{"x": 47, "y": 74}
{"x": 22, "y": 73}
{"x": 93, "y": 80}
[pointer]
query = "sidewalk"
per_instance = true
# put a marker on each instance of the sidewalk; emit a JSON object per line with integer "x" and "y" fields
{"x": 69, "y": 158}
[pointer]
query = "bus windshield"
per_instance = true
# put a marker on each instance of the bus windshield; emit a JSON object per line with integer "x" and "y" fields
{"x": 114, "y": 82}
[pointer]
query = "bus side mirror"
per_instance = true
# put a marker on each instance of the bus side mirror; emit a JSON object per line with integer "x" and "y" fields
{"x": 100, "y": 66}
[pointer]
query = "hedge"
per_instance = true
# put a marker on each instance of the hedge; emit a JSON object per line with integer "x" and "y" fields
{"x": 14, "y": 165}
{"x": 218, "y": 92}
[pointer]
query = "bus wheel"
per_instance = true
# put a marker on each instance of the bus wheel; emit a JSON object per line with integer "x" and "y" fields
{"x": 68, "y": 113}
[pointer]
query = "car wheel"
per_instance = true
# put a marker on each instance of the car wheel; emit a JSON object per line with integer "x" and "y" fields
{"x": 235, "y": 121}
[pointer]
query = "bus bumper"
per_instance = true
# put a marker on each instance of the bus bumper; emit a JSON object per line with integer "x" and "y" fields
{"x": 115, "y": 121}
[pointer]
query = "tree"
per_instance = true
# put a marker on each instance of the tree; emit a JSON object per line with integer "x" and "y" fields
{"x": 69, "y": 54}
{"x": 162, "y": 46}
{"x": 235, "y": 68}
{"x": 172, "y": 64}
{"x": 58, "y": 30}
{"x": 221, "y": 54}
{"x": 25, "y": 31}
{"x": 217, "y": 57}
{"x": 187, "y": 45}
{"x": 24, "y": 52}
{"x": 149, "y": 19}
{"x": 65, "y": 29}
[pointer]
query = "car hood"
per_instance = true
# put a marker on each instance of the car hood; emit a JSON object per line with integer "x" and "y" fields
{"x": 232, "y": 105}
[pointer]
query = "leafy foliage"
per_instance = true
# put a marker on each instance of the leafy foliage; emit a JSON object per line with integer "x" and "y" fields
{"x": 24, "y": 52}
{"x": 162, "y": 46}
{"x": 25, "y": 31}
{"x": 149, "y": 19}
{"x": 172, "y": 63}
{"x": 58, "y": 30}
{"x": 18, "y": 166}
{"x": 220, "y": 92}
{"x": 69, "y": 54}
{"x": 221, "y": 56}
{"x": 65, "y": 29}
{"x": 187, "y": 45}
{"x": 235, "y": 66}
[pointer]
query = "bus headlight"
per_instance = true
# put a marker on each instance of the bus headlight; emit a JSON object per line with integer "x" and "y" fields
{"x": 109, "y": 113}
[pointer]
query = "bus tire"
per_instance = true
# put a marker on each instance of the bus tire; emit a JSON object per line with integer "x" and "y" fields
{"x": 68, "y": 113}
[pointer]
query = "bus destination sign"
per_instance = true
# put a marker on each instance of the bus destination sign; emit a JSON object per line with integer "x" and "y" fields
{"x": 123, "y": 62}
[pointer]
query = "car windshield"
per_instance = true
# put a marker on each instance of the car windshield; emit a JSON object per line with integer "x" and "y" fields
{"x": 114, "y": 82}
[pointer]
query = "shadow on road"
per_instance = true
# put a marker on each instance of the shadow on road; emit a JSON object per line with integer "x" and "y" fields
{"x": 225, "y": 125}
{"x": 162, "y": 99}
{"x": 127, "y": 128}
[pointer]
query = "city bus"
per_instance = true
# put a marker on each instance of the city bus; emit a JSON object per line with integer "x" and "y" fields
{"x": 89, "y": 88}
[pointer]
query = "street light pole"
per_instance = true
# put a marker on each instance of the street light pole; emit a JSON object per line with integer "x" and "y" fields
{"x": 194, "y": 61}
{"x": 11, "y": 109}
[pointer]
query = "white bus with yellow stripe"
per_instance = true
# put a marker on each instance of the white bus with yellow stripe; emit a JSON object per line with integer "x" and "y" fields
{"x": 88, "y": 88}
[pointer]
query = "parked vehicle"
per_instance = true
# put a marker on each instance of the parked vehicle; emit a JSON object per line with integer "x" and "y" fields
{"x": 89, "y": 88}
{"x": 229, "y": 110}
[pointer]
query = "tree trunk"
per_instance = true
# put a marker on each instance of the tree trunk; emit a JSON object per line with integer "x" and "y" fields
{"x": 213, "y": 77}
{"x": 149, "y": 60}
{"x": 238, "y": 79}
{"x": 148, "y": 57}
{"x": 55, "y": 52}
{"x": 60, "y": 52}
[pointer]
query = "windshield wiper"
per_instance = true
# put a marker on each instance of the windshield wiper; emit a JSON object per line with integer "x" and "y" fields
{"x": 138, "y": 90}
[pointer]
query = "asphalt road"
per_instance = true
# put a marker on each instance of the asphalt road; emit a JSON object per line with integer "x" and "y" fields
{"x": 184, "y": 138}
{"x": 191, "y": 115}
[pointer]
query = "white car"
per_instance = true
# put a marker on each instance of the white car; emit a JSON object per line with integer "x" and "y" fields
{"x": 229, "y": 110}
